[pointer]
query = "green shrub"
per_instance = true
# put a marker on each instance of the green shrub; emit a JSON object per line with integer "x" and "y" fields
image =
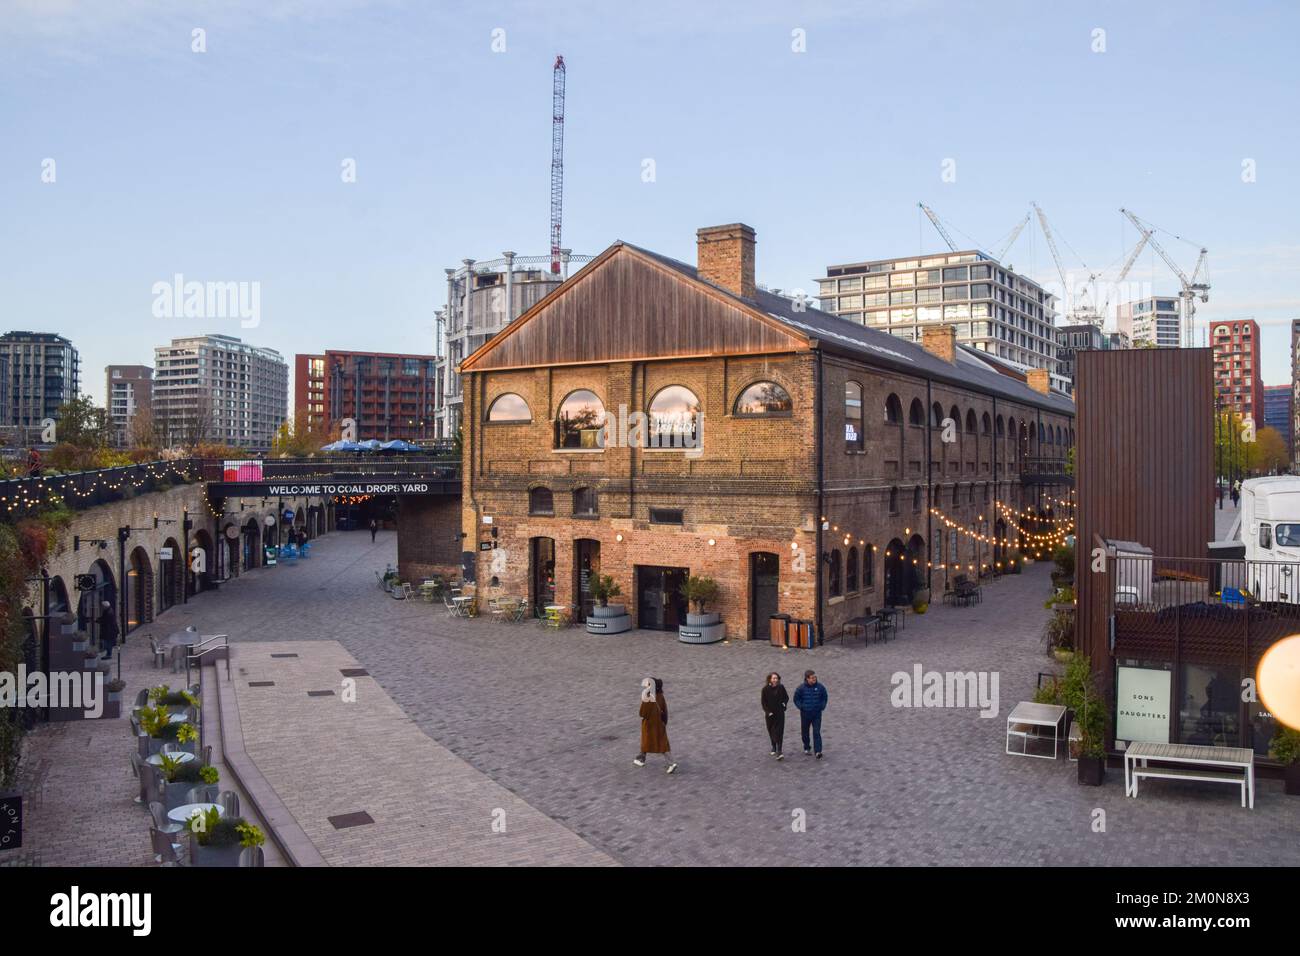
{"x": 699, "y": 592}
{"x": 1285, "y": 746}
{"x": 1063, "y": 557}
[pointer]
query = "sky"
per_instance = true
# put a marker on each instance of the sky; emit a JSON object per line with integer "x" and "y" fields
{"x": 128, "y": 156}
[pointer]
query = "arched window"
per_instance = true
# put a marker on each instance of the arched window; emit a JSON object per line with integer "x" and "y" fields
{"x": 868, "y": 566}
{"x": 916, "y": 413}
{"x": 854, "y": 439}
{"x": 971, "y": 499}
{"x": 509, "y": 408}
{"x": 851, "y": 571}
{"x": 1001, "y": 427}
{"x": 916, "y": 499}
{"x": 893, "y": 410}
{"x": 541, "y": 501}
{"x": 585, "y": 504}
{"x": 893, "y": 501}
{"x": 836, "y": 585}
{"x": 1060, "y": 437}
{"x": 1041, "y": 439}
{"x": 955, "y": 500}
{"x": 936, "y": 415}
{"x": 579, "y": 420}
{"x": 1011, "y": 429}
{"x": 674, "y": 418}
{"x": 986, "y": 424}
{"x": 955, "y": 414}
{"x": 764, "y": 398}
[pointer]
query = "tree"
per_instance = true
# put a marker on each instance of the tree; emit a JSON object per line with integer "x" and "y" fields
{"x": 82, "y": 423}
{"x": 1267, "y": 454}
{"x": 297, "y": 438}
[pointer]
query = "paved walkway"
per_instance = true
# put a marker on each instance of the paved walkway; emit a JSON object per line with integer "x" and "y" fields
{"x": 551, "y": 717}
{"x": 351, "y": 749}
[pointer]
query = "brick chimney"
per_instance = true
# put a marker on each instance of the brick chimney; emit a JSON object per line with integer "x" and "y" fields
{"x": 725, "y": 257}
{"x": 1039, "y": 380}
{"x": 941, "y": 341}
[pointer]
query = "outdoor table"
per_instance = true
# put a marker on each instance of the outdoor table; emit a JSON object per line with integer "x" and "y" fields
{"x": 183, "y": 813}
{"x": 179, "y": 718}
{"x": 890, "y": 617}
{"x": 181, "y": 756}
{"x": 462, "y": 603}
{"x": 1029, "y": 715}
{"x": 860, "y": 624}
{"x": 1232, "y": 758}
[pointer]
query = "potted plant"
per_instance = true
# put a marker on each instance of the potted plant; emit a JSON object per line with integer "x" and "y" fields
{"x": 702, "y": 626}
{"x": 921, "y": 600}
{"x": 1063, "y": 558}
{"x": 90, "y": 660}
{"x": 607, "y": 618}
{"x": 250, "y": 834}
{"x": 115, "y": 688}
{"x": 1091, "y": 715}
{"x": 215, "y": 841}
{"x": 1285, "y": 749}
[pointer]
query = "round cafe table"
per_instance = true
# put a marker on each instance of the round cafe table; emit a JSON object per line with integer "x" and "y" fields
{"x": 177, "y": 718}
{"x": 182, "y": 756}
{"x": 183, "y": 813}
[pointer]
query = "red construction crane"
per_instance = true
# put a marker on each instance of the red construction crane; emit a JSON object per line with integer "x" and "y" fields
{"x": 557, "y": 162}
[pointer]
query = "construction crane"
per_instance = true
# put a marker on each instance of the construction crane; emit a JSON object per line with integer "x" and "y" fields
{"x": 1123, "y": 273}
{"x": 952, "y": 246}
{"x": 1084, "y": 312}
{"x": 1191, "y": 288}
{"x": 557, "y": 161}
{"x": 1015, "y": 234}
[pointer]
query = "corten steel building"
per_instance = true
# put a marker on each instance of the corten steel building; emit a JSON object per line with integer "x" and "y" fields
{"x": 1237, "y": 380}
{"x": 388, "y": 395}
{"x": 811, "y": 478}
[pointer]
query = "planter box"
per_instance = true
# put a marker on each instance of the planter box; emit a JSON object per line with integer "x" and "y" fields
{"x": 1092, "y": 771}
{"x": 80, "y": 645}
{"x": 215, "y": 856}
{"x": 1291, "y": 779}
{"x": 710, "y": 633}
{"x": 607, "y": 624}
{"x": 611, "y": 610}
{"x": 702, "y": 620}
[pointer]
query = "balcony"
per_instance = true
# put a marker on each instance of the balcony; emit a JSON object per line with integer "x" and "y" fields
{"x": 1044, "y": 471}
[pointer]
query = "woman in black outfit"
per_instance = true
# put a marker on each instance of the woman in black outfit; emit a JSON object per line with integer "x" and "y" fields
{"x": 774, "y": 700}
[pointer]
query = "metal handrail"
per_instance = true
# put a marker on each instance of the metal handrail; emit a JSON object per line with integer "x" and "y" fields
{"x": 191, "y": 658}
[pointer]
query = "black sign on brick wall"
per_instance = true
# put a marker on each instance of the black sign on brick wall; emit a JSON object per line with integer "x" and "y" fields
{"x": 11, "y": 821}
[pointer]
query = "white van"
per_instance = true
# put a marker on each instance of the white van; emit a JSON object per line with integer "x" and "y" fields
{"x": 1270, "y": 530}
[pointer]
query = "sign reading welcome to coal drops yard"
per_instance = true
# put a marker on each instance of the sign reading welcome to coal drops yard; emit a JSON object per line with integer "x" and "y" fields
{"x": 352, "y": 488}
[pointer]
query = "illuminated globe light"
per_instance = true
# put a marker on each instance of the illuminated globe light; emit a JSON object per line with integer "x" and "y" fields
{"x": 1278, "y": 680}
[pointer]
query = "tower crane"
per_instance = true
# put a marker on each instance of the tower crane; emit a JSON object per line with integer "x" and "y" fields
{"x": 1015, "y": 234}
{"x": 1191, "y": 288}
{"x": 557, "y": 160}
{"x": 1085, "y": 312}
{"x": 952, "y": 246}
{"x": 1123, "y": 273}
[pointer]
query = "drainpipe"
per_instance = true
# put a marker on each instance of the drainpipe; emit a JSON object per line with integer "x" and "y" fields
{"x": 993, "y": 518}
{"x": 929, "y": 482}
{"x": 185, "y": 557}
{"x": 821, "y": 495}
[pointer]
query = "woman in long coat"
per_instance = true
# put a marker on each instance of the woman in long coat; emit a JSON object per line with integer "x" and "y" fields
{"x": 774, "y": 699}
{"x": 654, "y": 725}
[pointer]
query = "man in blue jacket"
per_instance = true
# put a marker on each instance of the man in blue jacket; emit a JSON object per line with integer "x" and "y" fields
{"x": 811, "y": 699}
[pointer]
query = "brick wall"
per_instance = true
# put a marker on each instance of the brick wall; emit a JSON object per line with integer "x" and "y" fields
{"x": 428, "y": 537}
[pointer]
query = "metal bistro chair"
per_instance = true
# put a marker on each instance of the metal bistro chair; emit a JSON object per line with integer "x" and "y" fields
{"x": 166, "y": 851}
{"x": 160, "y": 821}
{"x": 172, "y": 748}
{"x": 152, "y": 785}
{"x": 452, "y": 609}
{"x": 159, "y": 658}
{"x": 142, "y": 698}
{"x": 229, "y": 801}
{"x": 201, "y": 794}
{"x": 138, "y": 767}
{"x": 252, "y": 856}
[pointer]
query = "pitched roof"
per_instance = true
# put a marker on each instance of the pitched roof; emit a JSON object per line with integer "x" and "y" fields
{"x": 881, "y": 348}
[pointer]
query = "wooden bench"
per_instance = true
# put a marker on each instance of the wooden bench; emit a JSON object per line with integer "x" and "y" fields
{"x": 1235, "y": 765}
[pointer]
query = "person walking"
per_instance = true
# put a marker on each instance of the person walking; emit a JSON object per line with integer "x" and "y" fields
{"x": 1236, "y": 495}
{"x": 811, "y": 699}
{"x": 774, "y": 700}
{"x": 374, "y": 530}
{"x": 108, "y": 631}
{"x": 654, "y": 723}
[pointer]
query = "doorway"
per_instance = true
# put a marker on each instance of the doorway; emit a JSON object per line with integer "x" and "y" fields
{"x": 659, "y": 600}
{"x": 541, "y": 553}
{"x": 586, "y": 566}
{"x": 764, "y": 592}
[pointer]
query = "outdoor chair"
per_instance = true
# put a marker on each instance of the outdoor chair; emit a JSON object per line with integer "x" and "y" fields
{"x": 172, "y": 748}
{"x": 252, "y": 856}
{"x": 138, "y": 768}
{"x": 142, "y": 698}
{"x": 201, "y": 794}
{"x": 452, "y": 609}
{"x": 153, "y": 787}
{"x": 159, "y": 659}
{"x": 141, "y": 742}
{"x": 207, "y": 756}
{"x": 160, "y": 821}
{"x": 165, "y": 851}
{"x": 229, "y": 801}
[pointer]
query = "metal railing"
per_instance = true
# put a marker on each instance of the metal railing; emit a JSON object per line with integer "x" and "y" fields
{"x": 196, "y": 658}
{"x": 85, "y": 489}
{"x": 340, "y": 468}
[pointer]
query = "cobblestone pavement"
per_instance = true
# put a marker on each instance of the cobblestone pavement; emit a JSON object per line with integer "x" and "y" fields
{"x": 351, "y": 749}
{"x": 552, "y": 717}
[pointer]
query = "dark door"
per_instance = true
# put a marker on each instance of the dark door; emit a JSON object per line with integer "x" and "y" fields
{"x": 764, "y": 590}
{"x": 586, "y": 565}
{"x": 660, "y": 605}
{"x": 543, "y": 566}
{"x": 898, "y": 574}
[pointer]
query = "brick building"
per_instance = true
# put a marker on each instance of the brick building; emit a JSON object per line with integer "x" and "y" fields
{"x": 821, "y": 484}
{"x": 1237, "y": 380}
{"x": 388, "y": 395}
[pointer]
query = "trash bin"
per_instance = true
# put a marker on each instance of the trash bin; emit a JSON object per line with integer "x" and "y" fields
{"x": 778, "y": 625}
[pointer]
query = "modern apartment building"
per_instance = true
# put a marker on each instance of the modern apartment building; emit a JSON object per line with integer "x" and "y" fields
{"x": 1155, "y": 320}
{"x": 1071, "y": 339}
{"x": 1237, "y": 381}
{"x": 482, "y": 299}
{"x": 44, "y": 372}
{"x": 993, "y": 309}
{"x": 220, "y": 389}
{"x": 1279, "y": 413}
{"x": 128, "y": 393}
{"x": 387, "y": 395}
